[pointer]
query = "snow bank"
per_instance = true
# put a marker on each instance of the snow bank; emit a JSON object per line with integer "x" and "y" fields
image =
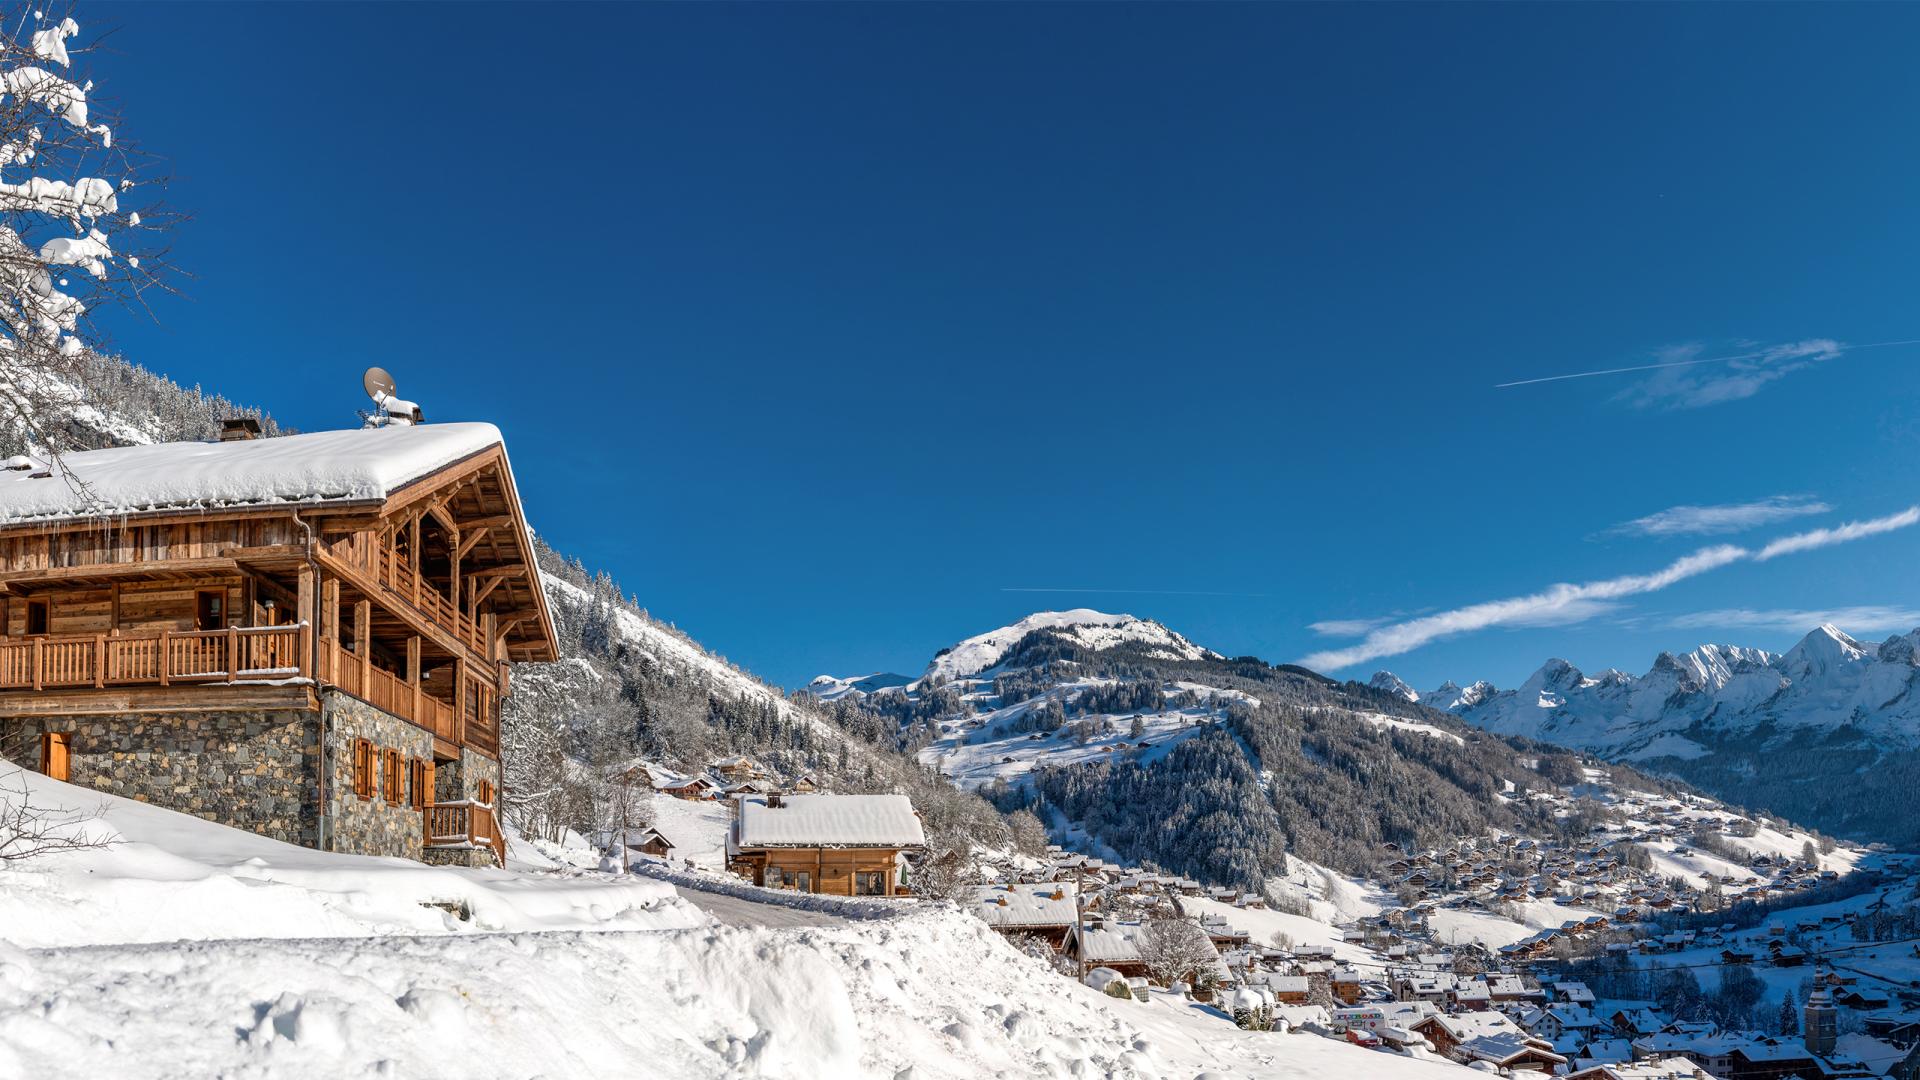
{"x": 167, "y": 876}
{"x": 931, "y": 996}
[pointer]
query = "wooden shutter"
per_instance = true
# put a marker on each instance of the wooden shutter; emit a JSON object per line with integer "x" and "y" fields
{"x": 363, "y": 768}
{"x": 55, "y": 752}
{"x": 391, "y": 771}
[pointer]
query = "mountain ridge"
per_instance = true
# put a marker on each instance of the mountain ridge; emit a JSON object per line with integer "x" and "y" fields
{"x": 1837, "y": 708}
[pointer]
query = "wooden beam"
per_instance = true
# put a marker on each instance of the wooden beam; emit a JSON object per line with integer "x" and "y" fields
{"x": 27, "y": 580}
{"x": 516, "y": 570}
{"x": 413, "y": 670}
{"x": 362, "y": 629}
{"x": 481, "y": 589}
{"x": 469, "y": 538}
{"x": 495, "y": 521}
{"x": 438, "y": 510}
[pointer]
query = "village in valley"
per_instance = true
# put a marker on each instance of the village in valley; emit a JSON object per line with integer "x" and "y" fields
{"x": 1596, "y": 955}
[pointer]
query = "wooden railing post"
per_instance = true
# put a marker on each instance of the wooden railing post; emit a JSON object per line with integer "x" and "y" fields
{"x": 413, "y": 675}
{"x": 233, "y": 653}
{"x": 39, "y": 663}
{"x": 99, "y": 661}
{"x": 166, "y": 656}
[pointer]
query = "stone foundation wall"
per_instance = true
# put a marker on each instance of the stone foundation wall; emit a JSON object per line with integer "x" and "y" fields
{"x": 257, "y": 771}
{"x": 372, "y": 826}
{"x": 460, "y": 780}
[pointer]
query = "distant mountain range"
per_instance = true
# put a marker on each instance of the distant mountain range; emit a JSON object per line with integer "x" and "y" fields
{"x": 1827, "y": 732}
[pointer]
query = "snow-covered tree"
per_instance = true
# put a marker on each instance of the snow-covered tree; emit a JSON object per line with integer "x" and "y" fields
{"x": 71, "y": 240}
{"x": 1175, "y": 949}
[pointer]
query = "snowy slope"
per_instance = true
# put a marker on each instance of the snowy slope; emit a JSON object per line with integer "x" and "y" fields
{"x": 166, "y": 876}
{"x": 192, "y": 950}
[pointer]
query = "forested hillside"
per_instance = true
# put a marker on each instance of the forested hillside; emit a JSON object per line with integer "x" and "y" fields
{"x": 630, "y": 687}
{"x": 1209, "y": 767}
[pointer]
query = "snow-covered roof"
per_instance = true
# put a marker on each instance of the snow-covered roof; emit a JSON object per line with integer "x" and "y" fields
{"x": 1110, "y": 942}
{"x": 1049, "y": 904}
{"x": 364, "y": 465}
{"x": 886, "y": 821}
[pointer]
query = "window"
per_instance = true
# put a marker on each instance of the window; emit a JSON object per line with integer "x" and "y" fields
{"x": 363, "y": 768}
{"x": 422, "y": 784}
{"x": 54, "y": 753}
{"x": 38, "y": 616}
{"x": 869, "y": 883}
{"x": 390, "y": 774}
{"x": 486, "y": 792}
{"x": 209, "y": 609}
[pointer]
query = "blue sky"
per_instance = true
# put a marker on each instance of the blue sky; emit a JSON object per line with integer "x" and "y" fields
{"x": 826, "y": 328}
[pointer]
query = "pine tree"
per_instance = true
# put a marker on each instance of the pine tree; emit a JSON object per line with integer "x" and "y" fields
{"x": 1789, "y": 1021}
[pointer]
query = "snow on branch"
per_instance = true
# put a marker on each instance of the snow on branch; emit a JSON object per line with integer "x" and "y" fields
{"x": 71, "y": 245}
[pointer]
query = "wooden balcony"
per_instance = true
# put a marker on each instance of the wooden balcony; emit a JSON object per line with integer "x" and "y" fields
{"x": 262, "y": 657}
{"x": 163, "y": 658}
{"x": 399, "y": 580}
{"x": 464, "y": 824}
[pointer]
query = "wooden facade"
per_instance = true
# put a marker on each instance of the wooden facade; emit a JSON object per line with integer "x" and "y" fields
{"x": 416, "y": 604}
{"x": 861, "y": 871}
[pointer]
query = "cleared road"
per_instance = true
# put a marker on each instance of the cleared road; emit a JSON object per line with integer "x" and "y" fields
{"x": 737, "y": 912}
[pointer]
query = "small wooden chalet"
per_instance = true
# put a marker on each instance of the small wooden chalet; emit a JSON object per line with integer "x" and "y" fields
{"x": 650, "y": 842}
{"x": 846, "y": 845}
{"x": 308, "y": 636}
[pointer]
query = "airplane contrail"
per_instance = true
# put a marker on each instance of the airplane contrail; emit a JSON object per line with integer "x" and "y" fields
{"x": 1680, "y": 363}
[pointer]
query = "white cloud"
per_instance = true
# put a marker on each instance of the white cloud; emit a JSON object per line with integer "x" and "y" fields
{"x": 1565, "y": 603}
{"x": 1347, "y": 627}
{"x": 1864, "y": 618}
{"x": 1723, "y": 518}
{"x": 1839, "y": 534}
{"x": 1688, "y": 381}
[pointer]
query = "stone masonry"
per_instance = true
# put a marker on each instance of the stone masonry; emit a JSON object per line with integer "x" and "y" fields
{"x": 372, "y": 826}
{"x": 251, "y": 770}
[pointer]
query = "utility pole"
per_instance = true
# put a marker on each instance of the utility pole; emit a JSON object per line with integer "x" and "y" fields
{"x": 1080, "y": 917}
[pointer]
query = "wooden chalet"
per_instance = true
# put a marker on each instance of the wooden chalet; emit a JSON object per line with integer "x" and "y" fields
{"x": 306, "y": 636}
{"x": 846, "y": 845}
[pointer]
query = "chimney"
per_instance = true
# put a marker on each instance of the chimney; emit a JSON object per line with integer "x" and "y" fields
{"x": 239, "y": 429}
{"x": 775, "y": 802}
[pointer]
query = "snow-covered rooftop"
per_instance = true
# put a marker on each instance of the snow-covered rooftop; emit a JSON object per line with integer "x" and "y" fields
{"x": 1049, "y": 904}
{"x": 828, "y": 821}
{"x": 322, "y": 466}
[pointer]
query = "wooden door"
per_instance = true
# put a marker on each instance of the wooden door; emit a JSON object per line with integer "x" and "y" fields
{"x": 209, "y": 605}
{"x": 55, "y": 754}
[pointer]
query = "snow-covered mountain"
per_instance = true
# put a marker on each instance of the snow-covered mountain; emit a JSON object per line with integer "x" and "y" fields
{"x": 1093, "y": 629}
{"x": 1715, "y": 709}
{"x": 1110, "y": 727}
{"x": 1826, "y": 683}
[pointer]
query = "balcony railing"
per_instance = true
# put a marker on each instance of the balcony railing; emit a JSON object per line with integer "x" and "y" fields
{"x": 237, "y": 654}
{"x": 464, "y": 824}
{"x": 243, "y": 655}
{"x": 399, "y": 579}
{"x": 385, "y": 690}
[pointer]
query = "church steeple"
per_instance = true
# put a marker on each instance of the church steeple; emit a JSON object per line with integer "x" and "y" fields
{"x": 1820, "y": 1022}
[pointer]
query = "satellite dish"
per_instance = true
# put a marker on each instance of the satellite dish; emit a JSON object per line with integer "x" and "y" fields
{"x": 394, "y": 410}
{"x": 379, "y": 384}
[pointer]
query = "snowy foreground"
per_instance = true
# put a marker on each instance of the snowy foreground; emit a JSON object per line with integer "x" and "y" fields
{"x": 190, "y": 950}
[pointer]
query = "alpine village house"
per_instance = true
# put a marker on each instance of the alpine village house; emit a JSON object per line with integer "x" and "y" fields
{"x": 307, "y": 636}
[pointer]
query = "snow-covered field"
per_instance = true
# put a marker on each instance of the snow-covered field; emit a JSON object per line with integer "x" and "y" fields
{"x": 185, "y": 949}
